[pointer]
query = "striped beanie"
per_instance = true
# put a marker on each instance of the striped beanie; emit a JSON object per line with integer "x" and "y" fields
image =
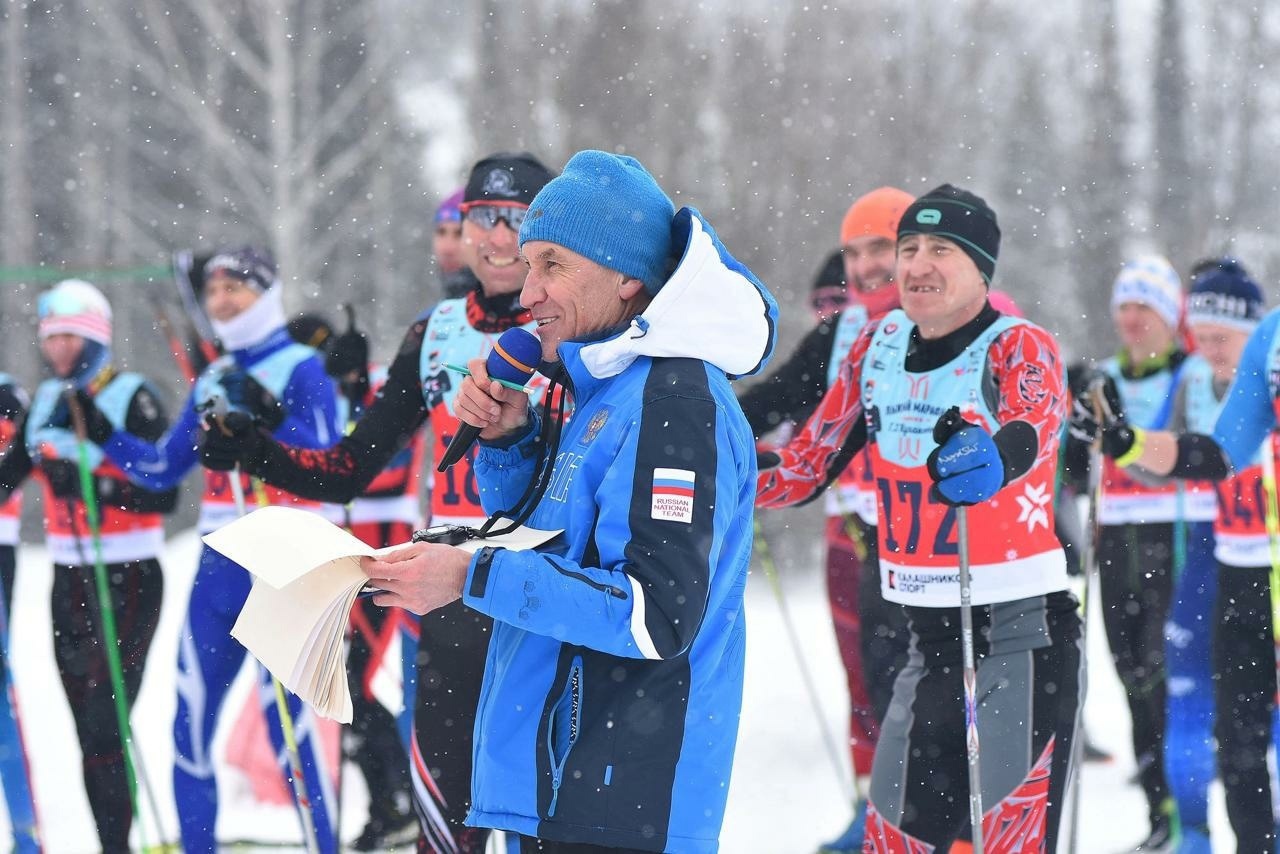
{"x": 74, "y": 307}
{"x": 1150, "y": 280}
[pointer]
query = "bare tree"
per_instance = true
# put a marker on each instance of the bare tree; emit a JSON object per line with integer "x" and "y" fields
{"x": 17, "y": 214}
{"x": 272, "y": 112}
{"x": 1177, "y": 185}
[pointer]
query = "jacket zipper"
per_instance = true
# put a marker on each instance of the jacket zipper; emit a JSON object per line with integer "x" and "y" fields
{"x": 574, "y": 691}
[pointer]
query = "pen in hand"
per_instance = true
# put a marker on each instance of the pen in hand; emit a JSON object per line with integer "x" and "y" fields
{"x": 466, "y": 372}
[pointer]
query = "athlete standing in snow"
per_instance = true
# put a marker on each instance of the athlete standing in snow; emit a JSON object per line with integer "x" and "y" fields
{"x": 267, "y": 377}
{"x": 453, "y": 640}
{"x": 948, "y": 348}
{"x": 1144, "y": 537}
{"x": 75, "y": 340}
{"x": 1223, "y": 307}
{"x": 870, "y": 632}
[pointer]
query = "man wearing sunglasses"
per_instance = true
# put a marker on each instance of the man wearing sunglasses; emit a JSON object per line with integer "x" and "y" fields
{"x": 453, "y": 640}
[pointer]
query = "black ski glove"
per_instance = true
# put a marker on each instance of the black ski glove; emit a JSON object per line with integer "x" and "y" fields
{"x": 97, "y": 428}
{"x": 63, "y": 477}
{"x": 1084, "y": 423}
{"x": 346, "y": 353}
{"x": 230, "y": 440}
{"x": 246, "y": 394}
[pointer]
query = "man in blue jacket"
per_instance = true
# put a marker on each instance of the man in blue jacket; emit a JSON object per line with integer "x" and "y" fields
{"x": 613, "y": 684}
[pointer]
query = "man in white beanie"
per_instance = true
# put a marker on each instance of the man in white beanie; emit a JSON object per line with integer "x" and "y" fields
{"x": 1146, "y": 524}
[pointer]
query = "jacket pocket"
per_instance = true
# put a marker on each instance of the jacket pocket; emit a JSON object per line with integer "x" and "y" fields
{"x": 562, "y": 733}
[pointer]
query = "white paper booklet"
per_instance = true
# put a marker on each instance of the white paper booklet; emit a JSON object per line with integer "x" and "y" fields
{"x": 307, "y": 576}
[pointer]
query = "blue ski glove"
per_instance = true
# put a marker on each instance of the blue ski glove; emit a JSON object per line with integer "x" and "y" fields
{"x": 966, "y": 467}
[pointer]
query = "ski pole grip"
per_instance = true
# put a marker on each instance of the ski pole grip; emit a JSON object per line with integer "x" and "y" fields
{"x": 948, "y": 425}
{"x": 78, "y": 423}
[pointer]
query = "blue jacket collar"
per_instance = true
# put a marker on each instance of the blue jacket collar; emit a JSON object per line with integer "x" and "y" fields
{"x": 277, "y": 340}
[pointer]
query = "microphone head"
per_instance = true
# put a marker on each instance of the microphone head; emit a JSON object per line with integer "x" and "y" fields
{"x": 515, "y": 356}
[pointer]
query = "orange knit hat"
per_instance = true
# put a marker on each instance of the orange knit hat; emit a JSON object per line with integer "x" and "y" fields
{"x": 877, "y": 213}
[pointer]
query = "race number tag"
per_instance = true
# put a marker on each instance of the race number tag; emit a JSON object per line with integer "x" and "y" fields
{"x": 672, "y": 495}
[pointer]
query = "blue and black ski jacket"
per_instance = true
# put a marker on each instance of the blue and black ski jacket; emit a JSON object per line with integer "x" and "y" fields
{"x": 613, "y": 684}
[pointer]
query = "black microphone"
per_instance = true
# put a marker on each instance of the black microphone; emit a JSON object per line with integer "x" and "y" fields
{"x": 513, "y": 359}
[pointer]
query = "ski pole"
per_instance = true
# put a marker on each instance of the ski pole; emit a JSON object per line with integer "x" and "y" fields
{"x": 771, "y": 572}
{"x": 950, "y": 423}
{"x": 1272, "y": 517}
{"x": 20, "y": 796}
{"x": 1088, "y": 561}
{"x": 105, "y": 606}
{"x": 300, "y": 795}
{"x": 970, "y": 681}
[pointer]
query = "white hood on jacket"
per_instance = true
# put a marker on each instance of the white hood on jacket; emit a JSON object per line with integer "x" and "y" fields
{"x": 711, "y": 308}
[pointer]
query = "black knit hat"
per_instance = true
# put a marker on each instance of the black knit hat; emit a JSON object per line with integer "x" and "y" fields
{"x": 832, "y": 273}
{"x": 510, "y": 178}
{"x": 961, "y": 217}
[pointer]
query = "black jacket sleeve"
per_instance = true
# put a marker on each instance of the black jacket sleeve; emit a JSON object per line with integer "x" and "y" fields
{"x": 341, "y": 473}
{"x": 15, "y": 465}
{"x": 793, "y": 390}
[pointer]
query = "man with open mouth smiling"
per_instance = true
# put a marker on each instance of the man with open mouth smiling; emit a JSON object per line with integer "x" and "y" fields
{"x": 960, "y": 406}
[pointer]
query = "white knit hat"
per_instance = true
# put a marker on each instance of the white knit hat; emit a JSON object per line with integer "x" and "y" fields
{"x": 75, "y": 307}
{"x": 1151, "y": 281}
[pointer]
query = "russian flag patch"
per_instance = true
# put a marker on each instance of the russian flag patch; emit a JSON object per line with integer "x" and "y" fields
{"x": 672, "y": 495}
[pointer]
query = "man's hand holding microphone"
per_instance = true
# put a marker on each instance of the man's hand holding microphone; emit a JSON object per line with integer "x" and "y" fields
{"x": 493, "y": 405}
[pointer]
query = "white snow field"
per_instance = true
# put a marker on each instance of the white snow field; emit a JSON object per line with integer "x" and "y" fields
{"x": 785, "y": 797}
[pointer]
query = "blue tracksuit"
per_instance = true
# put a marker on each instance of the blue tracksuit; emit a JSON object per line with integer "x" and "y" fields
{"x": 613, "y": 683}
{"x": 208, "y": 657}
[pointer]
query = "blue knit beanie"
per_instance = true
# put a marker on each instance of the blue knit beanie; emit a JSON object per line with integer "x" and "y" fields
{"x": 607, "y": 208}
{"x": 1223, "y": 293}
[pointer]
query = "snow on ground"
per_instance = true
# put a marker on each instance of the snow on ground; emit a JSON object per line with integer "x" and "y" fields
{"x": 785, "y": 797}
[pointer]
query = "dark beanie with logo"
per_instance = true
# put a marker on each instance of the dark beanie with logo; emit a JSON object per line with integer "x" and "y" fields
{"x": 961, "y": 217}
{"x": 1223, "y": 293}
{"x": 512, "y": 178}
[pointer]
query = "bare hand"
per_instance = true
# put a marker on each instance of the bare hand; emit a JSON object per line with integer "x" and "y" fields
{"x": 488, "y": 404}
{"x": 419, "y": 577}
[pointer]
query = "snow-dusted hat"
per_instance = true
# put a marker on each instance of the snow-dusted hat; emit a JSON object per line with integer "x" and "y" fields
{"x": 1151, "y": 281}
{"x": 608, "y": 208}
{"x": 75, "y": 307}
{"x": 250, "y": 264}
{"x": 1223, "y": 293}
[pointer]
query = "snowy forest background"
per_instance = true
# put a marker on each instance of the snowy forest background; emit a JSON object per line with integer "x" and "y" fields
{"x": 329, "y": 130}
